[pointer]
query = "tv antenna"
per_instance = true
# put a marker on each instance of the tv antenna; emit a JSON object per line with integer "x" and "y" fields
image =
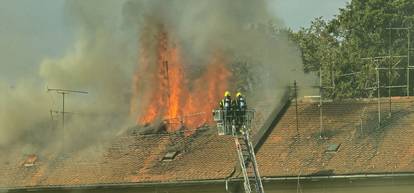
{"x": 64, "y": 92}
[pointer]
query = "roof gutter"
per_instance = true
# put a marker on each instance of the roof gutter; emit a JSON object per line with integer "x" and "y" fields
{"x": 353, "y": 176}
{"x": 208, "y": 182}
{"x": 117, "y": 185}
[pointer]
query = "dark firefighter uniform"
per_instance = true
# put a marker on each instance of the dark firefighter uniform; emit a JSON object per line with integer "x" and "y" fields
{"x": 226, "y": 104}
{"x": 240, "y": 107}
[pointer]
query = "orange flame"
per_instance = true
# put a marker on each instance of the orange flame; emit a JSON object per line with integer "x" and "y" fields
{"x": 168, "y": 94}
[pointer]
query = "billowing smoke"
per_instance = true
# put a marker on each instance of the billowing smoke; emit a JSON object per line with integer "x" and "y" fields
{"x": 105, "y": 55}
{"x": 99, "y": 62}
{"x": 21, "y": 111}
{"x": 261, "y": 59}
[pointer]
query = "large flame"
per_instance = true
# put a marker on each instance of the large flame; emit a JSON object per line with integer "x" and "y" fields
{"x": 163, "y": 91}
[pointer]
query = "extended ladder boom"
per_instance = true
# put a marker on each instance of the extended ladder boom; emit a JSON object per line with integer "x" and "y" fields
{"x": 246, "y": 155}
{"x": 237, "y": 125}
{"x": 246, "y": 183}
{"x": 257, "y": 178}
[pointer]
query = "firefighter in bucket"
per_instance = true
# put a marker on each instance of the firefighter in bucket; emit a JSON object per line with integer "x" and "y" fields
{"x": 240, "y": 107}
{"x": 232, "y": 117}
{"x": 226, "y": 104}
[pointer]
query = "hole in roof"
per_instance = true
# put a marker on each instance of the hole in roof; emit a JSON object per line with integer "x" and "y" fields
{"x": 30, "y": 160}
{"x": 169, "y": 156}
{"x": 332, "y": 148}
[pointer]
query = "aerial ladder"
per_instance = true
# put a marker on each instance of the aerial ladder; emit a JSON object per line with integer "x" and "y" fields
{"x": 238, "y": 124}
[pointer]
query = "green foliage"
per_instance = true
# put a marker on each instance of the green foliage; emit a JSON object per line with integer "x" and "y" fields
{"x": 338, "y": 47}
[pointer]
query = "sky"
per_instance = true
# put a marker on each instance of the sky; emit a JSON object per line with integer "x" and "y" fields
{"x": 299, "y": 13}
{"x": 32, "y": 30}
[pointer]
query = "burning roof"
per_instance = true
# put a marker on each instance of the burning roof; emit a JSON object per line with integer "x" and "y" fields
{"x": 164, "y": 91}
{"x": 135, "y": 158}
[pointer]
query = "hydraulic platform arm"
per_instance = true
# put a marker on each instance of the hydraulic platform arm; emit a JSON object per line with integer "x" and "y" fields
{"x": 238, "y": 125}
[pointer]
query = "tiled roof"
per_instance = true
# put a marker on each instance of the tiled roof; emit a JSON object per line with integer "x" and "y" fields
{"x": 135, "y": 158}
{"x": 130, "y": 159}
{"x": 362, "y": 150}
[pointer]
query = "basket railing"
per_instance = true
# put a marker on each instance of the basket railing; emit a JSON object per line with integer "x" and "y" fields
{"x": 228, "y": 119}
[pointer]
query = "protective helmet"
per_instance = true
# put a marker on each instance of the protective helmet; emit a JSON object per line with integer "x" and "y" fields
{"x": 238, "y": 94}
{"x": 227, "y": 94}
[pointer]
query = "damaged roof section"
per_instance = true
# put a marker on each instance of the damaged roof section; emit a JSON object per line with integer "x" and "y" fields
{"x": 332, "y": 148}
{"x": 169, "y": 156}
{"x": 30, "y": 160}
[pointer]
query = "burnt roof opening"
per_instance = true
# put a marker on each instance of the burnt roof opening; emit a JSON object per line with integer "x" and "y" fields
{"x": 169, "y": 156}
{"x": 30, "y": 160}
{"x": 332, "y": 148}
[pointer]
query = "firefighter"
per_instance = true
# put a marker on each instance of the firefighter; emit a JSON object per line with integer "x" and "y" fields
{"x": 226, "y": 102}
{"x": 240, "y": 107}
{"x": 240, "y": 102}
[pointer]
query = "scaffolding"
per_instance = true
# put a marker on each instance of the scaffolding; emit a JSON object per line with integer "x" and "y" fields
{"x": 406, "y": 56}
{"x": 390, "y": 68}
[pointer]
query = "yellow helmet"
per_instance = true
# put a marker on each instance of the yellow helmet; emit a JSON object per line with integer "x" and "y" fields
{"x": 238, "y": 94}
{"x": 227, "y": 93}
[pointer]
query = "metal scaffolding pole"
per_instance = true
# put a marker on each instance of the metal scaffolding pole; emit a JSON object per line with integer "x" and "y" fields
{"x": 320, "y": 104}
{"x": 408, "y": 54}
{"x": 389, "y": 88}
{"x": 389, "y": 74}
{"x": 379, "y": 98}
{"x": 378, "y": 86}
{"x": 408, "y": 61}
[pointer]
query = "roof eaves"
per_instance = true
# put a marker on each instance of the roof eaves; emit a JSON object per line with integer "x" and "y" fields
{"x": 351, "y": 176}
{"x": 110, "y": 185}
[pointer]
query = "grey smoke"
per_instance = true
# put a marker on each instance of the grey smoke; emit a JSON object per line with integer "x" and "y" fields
{"x": 104, "y": 56}
{"x": 261, "y": 57}
{"x": 101, "y": 61}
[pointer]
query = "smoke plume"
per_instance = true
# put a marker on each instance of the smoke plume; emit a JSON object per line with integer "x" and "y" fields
{"x": 261, "y": 59}
{"x": 109, "y": 36}
{"x": 99, "y": 62}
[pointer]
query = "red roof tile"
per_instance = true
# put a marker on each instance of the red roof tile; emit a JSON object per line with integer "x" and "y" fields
{"x": 131, "y": 159}
{"x": 362, "y": 150}
{"x": 134, "y": 158}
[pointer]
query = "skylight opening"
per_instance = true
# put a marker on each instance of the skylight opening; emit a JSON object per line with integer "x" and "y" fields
{"x": 169, "y": 156}
{"x": 332, "y": 148}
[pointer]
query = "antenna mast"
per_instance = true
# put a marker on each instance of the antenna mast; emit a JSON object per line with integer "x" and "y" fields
{"x": 64, "y": 92}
